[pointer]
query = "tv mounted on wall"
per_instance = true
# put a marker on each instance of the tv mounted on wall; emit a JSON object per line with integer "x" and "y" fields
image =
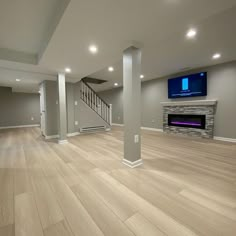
{"x": 188, "y": 86}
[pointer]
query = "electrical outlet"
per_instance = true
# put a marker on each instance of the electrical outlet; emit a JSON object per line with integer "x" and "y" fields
{"x": 76, "y": 122}
{"x": 136, "y": 138}
{"x": 153, "y": 121}
{"x": 118, "y": 118}
{"x": 32, "y": 118}
{"x": 57, "y": 102}
{"x": 76, "y": 103}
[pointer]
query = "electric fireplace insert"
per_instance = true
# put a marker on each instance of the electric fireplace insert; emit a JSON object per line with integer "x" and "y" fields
{"x": 190, "y": 121}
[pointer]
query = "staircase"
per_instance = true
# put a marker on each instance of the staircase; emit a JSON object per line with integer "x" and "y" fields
{"x": 96, "y": 103}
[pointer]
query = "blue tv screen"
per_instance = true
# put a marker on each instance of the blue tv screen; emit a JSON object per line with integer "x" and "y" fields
{"x": 188, "y": 86}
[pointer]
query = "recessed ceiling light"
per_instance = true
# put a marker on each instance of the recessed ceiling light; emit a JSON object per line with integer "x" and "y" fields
{"x": 67, "y": 70}
{"x": 17, "y": 80}
{"x": 93, "y": 49}
{"x": 216, "y": 56}
{"x": 191, "y": 33}
{"x": 116, "y": 84}
{"x": 141, "y": 76}
{"x": 111, "y": 69}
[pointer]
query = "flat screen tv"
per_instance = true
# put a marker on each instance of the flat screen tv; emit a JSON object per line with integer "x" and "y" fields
{"x": 188, "y": 86}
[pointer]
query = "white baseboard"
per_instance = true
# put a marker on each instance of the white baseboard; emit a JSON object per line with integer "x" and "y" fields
{"x": 132, "y": 164}
{"x": 57, "y": 136}
{"x": 152, "y": 129}
{"x": 144, "y": 128}
{"x": 62, "y": 141}
{"x": 73, "y": 134}
{"x": 232, "y": 140}
{"x": 115, "y": 124}
{"x": 19, "y": 126}
{"x": 51, "y": 136}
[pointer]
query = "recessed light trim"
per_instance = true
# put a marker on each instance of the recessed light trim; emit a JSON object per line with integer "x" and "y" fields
{"x": 110, "y": 69}
{"x": 141, "y": 76}
{"x": 93, "y": 49}
{"x": 116, "y": 84}
{"x": 216, "y": 56}
{"x": 191, "y": 33}
{"x": 68, "y": 70}
{"x": 18, "y": 80}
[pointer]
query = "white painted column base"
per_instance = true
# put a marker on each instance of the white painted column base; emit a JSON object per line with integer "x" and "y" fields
{"x": 62, "y": 141}
{"x": 132, "y": 164}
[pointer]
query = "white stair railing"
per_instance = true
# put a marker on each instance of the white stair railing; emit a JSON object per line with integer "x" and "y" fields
{"x": 96, "y": 103}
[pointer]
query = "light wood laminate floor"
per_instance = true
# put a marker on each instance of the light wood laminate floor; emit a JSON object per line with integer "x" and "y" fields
{"x": 186, "y": 187}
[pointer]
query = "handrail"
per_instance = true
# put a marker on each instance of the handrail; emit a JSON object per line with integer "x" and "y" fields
{"x": 94, "y": 91}
{"x": 97, "y": 104}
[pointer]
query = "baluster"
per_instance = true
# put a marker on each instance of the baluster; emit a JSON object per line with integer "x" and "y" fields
{"x": 102, "y": 108}
{"x": 89, "y": 97}
{"x": 107, "y": 114}
{"x": 82, "y": 87}
{"x": 96, "y": 107}
{"x": 103, "y": 115}
{"x": 87, "y": 94}
{"x": 93, "y": 101}
{"x": 105, "y": 111}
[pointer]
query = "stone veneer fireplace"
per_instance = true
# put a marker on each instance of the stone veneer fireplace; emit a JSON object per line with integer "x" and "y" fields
{"x": 193, "y": 118}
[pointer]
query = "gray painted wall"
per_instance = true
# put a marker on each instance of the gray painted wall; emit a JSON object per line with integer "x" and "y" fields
{"x": 70, "y": 108}
{"x": 80, "y": 112}
{"x": 51, "y": 107}
{"x": 221, "y": 86}
{"x": 88, "y": 117}
{"x": 18, "y": 108}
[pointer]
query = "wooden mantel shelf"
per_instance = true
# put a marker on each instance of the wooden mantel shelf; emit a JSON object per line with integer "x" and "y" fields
{"x": 191, "y": 103}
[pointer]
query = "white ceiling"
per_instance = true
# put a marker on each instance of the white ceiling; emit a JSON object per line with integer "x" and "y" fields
{"x": 29, "y": 79}
{"x": 175, "y": 54}
{"x": 24, "y": 23}
{"x": 160, "y": 25}
{"x": 26, "y": 26}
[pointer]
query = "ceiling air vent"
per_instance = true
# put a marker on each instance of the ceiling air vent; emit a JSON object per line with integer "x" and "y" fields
{"x": 93, "y": 80}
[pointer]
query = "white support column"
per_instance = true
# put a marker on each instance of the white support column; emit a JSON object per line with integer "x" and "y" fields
{"x": 132, "y": 108}
{"x": 62, "y": 129}
{"x": 110, "y": 115}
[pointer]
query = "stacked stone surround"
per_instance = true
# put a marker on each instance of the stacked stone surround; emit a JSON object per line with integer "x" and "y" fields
{"x": 207, "y": 108}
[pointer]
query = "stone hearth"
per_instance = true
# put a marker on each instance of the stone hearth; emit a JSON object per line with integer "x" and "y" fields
{"x": 199, "y": 107}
